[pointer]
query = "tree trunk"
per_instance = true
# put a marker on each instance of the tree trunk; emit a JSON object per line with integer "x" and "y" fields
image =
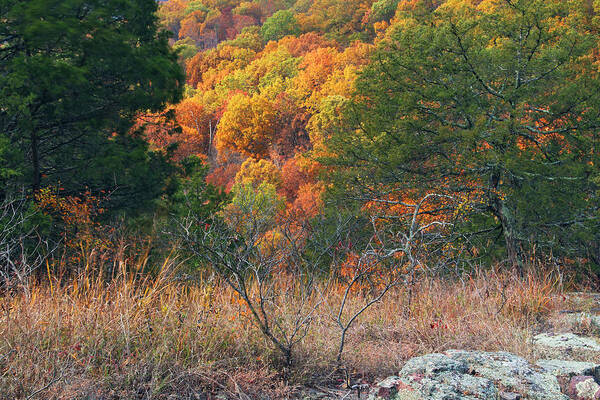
{"x": 508, "y": 222}
{"x": 35, "y": 159}
{"x": 510, "y": 238}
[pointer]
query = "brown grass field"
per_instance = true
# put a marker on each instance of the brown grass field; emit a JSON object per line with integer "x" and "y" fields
{"x": 137, "y": 337}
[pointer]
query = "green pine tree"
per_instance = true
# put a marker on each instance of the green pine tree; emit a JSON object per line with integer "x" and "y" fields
{"x": 74, "y": 74}
{"x": 494, "y": 104}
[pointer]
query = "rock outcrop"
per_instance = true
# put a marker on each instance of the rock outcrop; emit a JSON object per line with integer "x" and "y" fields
{"x": 583, "y": 388}
{"x": 566, "y": 341}
{"x": 477, "y": 375}
{"x": 568, "y": 368}
{"x": 584, "y": 321}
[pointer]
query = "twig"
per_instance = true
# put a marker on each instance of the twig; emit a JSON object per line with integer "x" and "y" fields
{"x": 52, "y": 382}
{"x": 241, "y": 394}
{"x": 2, "y": 358}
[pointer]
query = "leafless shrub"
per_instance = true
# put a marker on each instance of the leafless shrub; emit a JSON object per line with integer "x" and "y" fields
{"x": 400, "y": 249}
{"x": 22, "y": 250}
{"x": 253, "y": 246}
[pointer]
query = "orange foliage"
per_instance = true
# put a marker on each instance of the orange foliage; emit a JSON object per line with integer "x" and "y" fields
{"x": 266, "y": 94}
{"x": 299, "y": 46}
{"x": 314, "y": 70}
{"x": 72, "y": 210}
{"x": 206, "y": 69}
{"x": 77, "y": 215}
{"x": 292, "y": 136}
{"x": 198, "y": 125}
{"x": 292, "y": 178}
{"x": 309, "y": 201}
{"x": 362, "y": 273}
{"x": 193, "y": 26}
{"x": 162, "y": 135}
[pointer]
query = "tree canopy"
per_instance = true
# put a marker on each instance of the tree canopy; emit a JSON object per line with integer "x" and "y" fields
{"x": 74, "y": 75}
{"x": 494, "y": 104}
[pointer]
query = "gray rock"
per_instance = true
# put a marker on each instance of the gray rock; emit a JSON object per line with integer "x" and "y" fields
{"x": 474, "y": 375}
{"x": 511, "y": 372}
{"x": 393, "y": 388}
{"x": 452, "y": 385}
{"x": 566, "y": 341}
{"x": 509, "y": 396}
{"x": 567, "y": 368}
{"x": 584, "y": 388}
{"x": 433, "y": 363}
{"x": 584, "y": 320}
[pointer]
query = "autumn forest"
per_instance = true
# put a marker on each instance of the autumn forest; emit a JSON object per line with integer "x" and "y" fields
{"x": 274, "y": 199}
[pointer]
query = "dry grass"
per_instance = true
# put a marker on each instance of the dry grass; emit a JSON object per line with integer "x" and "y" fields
{"x": 153, "y": 338}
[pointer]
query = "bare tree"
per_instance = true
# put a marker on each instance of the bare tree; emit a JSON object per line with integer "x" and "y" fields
{"x": 253, "y": 245}
{"x": 400, "y": 248}
{"x": 261, "y": 253}
{"x": 22, "y": 250}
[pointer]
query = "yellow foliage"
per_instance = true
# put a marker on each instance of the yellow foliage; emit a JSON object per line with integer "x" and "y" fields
{"x": 247, "y": 126}
{"x": 255, "y": 172}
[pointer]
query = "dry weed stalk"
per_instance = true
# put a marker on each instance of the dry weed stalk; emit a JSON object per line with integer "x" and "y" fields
{"x": 161, "y": 336}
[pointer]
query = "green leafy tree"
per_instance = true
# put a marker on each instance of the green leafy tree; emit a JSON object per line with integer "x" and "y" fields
{"x": 280, "y": 24}
{"x": 74, "y": 74}
{"x": 495, "y": 105}
{"x": 250, "y": 203}
{"x": 383, "y": 10}
{"x": 195, "y": 196}
{"x": 186, "y": 47}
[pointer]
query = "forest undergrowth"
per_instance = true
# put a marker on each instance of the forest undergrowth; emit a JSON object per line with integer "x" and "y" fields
{"x": 140, "y": 337}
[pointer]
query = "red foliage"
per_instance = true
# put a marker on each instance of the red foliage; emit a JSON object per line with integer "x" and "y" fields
{"x": 308, "y": 203}
{"x": 292, "y": 136}
{"x": 223, "y": 176}
{"x": 240, "y": 22}
{"x": 292, "y": 178}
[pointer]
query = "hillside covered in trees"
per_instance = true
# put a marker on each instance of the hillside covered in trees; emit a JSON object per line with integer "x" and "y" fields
{"x": 402, "y": 99}
{"x": 253, "y": 199}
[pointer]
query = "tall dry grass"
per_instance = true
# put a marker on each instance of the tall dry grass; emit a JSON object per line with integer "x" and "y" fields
{"x": 141, "y": 337}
